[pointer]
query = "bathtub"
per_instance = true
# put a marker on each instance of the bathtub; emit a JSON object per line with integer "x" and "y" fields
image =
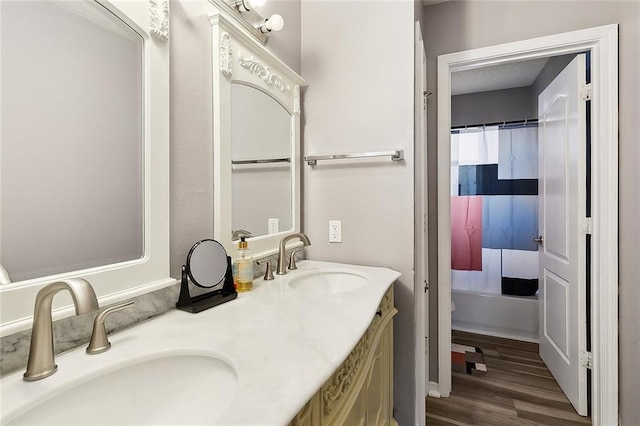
{"x": 512, "y": 317}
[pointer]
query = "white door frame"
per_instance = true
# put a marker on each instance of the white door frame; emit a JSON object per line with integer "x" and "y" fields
{"x": 420, "y": 242}
{"x": 602, "y": 42}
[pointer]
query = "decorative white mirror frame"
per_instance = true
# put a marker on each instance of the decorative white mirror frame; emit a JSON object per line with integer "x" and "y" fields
{"x": 124, "y": 280}
{"x": 238, "y": 57}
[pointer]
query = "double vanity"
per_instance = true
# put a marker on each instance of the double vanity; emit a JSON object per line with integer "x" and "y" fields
{"x": 312, "y": 347}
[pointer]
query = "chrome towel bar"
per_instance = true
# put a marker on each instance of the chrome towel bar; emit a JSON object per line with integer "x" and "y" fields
{"x": 262, "y": 161}
{"x": 397, "y": 155}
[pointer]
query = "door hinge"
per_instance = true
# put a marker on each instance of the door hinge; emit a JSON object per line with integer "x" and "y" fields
{"x": 587, "y": 225}
{"x": 586, "y": 360}
{"x": 586, "y": 92}
{"x": 425, "y": 97}
{"x": 426, "y": 344}
{"x": 426, "y": 286}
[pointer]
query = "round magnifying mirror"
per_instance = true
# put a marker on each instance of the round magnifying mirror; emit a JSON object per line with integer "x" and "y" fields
{"x": 207, "y": 263}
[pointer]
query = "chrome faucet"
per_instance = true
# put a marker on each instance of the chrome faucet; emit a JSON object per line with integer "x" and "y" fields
{"x": 282, "y": 261}
{"x": 41, "y": 362}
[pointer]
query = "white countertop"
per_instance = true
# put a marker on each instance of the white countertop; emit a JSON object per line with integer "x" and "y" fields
{"x": 282, "y": 343}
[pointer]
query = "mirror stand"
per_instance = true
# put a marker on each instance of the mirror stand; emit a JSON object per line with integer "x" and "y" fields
{"x": 207, "y": 300}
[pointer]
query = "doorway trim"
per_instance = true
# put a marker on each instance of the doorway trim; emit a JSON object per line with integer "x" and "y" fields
{"x": 602, "y": 42}
{"x": 420, "y": 289}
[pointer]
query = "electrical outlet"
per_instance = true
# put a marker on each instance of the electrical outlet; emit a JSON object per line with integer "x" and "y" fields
{"x": 274, "y": 225}
{"x": 335, "y": 231}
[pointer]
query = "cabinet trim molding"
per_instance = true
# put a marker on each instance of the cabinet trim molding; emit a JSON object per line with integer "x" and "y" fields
{"x": 340, "y": 400}
{"x": 351, "y": 374}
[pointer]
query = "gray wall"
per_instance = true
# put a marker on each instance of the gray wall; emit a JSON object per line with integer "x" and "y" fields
{"x": 191, "y": 115}
{"x": 462, "y": 25}
{"x": 191, "y": 129}
{"x": 357, "y": 60}
{"x": 505, "y": 105}
{"x": 286, "y": 43}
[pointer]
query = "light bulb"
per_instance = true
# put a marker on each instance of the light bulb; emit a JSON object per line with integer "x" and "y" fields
{"x": 275, "y": 23}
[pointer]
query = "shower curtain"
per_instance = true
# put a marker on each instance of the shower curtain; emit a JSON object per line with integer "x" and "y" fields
{"x": 494, "y": 209}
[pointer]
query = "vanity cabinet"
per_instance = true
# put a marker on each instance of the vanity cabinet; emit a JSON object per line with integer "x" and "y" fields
{"x": 360, "y": 391}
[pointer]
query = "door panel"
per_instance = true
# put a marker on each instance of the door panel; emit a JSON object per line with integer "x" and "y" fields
{"x": 377, "y": 386}
{"x": 562, "y": 165}
{"x": 555, "y": 311}
{"x": 556, "y": 178}
{"x": 358, "y": 414}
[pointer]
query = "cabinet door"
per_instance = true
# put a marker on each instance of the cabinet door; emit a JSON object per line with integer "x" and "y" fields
{"x": 379, "y": 382}
{"x": 310, "y": 413}
{"x": 358, "y": 413}
{"x": 360, "y": 391}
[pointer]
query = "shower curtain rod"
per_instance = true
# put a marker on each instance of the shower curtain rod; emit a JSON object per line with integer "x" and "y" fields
{"x": 516, "y": 123}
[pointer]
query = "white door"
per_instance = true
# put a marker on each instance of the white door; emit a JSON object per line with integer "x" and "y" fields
{"x": 562, "y": 210}
{"x": 421, "y": 249}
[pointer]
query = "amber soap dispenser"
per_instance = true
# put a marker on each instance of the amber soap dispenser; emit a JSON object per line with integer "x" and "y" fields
{"x": 243, "y": 267}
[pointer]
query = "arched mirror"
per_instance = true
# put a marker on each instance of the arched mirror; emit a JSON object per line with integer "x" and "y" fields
{"x": 260, "y": 162}
{"x": 256, "y": 141}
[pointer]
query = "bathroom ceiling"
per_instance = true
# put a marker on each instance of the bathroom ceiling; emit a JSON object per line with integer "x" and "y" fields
{"x": 497, "y": 77}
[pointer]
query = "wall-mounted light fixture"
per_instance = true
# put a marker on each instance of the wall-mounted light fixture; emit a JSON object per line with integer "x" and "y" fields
{"x": 247, "y": 5}
{"x": 245, "y": 14}
{"x": 274, "y": 23}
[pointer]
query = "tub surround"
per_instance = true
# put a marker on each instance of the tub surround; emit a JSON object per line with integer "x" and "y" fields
{"x": 511, "y": 317}
{"x": 283, "y": 344}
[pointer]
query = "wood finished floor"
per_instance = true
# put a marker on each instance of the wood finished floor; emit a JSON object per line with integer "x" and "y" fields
{"x": 518, "y": 389}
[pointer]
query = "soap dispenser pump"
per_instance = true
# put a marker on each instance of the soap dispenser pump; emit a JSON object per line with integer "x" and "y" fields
{"x": 243, "y": 267}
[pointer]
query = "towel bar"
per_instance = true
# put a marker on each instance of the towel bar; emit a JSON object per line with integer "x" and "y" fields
{"x": 262, "y": 161}
{"x": 397, "y": 155}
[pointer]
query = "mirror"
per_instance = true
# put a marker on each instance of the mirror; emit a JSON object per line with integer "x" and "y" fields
{"x": 261, "y": 162}
{"x": 256, "y": 141}
{"x": 84, "y": 144}
{"x": 207, "y": 263}
{"x": 68, "y": 122}
{"x": 207, "y": 266}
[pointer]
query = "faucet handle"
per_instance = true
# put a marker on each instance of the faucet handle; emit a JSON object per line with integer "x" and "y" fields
{"x": 99, "y": 342}
{"x": 292, "y": 260}
{"x": 268, "y": 273}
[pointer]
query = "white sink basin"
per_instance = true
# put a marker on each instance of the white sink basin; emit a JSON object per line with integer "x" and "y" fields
{"x": 178, "y": 389}
{"x": 328, "y": 282}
